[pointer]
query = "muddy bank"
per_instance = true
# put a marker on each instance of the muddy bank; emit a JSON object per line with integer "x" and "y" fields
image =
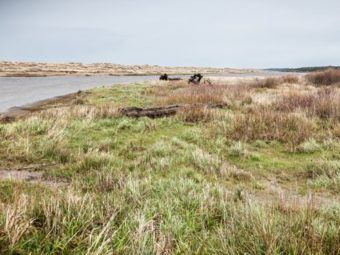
{"x": 18, "y": 91}
{"x": 15, "y": 113}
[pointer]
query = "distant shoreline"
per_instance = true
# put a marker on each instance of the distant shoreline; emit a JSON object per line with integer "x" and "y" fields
{"x": 33, "y": 69}
{"x": 303, "y": 69}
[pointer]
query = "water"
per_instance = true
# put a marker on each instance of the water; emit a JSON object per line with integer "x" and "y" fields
{"x": 19, "y": 91}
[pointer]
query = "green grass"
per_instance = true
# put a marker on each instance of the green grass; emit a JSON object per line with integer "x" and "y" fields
{"x": 120, "y": 95}
{"x": 163, "y": 186}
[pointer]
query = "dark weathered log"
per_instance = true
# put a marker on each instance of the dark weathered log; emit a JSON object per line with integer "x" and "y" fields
{"x": 165, "y": 77}
{"x": 175, "y": 79}
{"x": 157, "y": 112}
{"x": 195, "y": 79}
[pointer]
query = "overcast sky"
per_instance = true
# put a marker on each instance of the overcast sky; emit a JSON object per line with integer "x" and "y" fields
{"x": 228, "y": 33}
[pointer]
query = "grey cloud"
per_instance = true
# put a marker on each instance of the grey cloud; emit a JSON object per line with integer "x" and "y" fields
{"x": 244, "y": 33}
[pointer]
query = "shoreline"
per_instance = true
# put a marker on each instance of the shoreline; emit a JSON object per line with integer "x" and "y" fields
{"x": 18, "y": 112}
{"x": 15, "y": 112}
{"x": 33, "y": 69}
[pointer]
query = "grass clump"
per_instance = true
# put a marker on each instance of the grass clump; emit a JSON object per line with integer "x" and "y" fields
{"x": 309, "y": 146}
{"x": 324, "y": 175}
{"x": 336, "y": 130}
{"x": 237, "y": 150}
{"x": 196, "y": 114}
{"x": 324, "y": 104}
{"x": 326, "y": 168}
{"x": 269, "y": 83}
{"x": 272, "y": 82}
{"x": 263, "y": 123}
{"x": 194, "y": 95}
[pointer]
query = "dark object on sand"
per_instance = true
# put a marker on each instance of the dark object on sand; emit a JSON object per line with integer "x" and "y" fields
{"x": 196, "y": 78}
{"x": 157, "y": 112}
{"x": 165, "y": 77}
{"x": 175, "y": 79}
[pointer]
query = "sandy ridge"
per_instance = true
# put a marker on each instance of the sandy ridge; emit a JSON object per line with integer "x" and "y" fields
{"x": 32, "y": 69}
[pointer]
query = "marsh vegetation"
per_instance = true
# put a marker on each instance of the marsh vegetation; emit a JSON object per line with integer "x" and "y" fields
{"x": 261, "y": 176}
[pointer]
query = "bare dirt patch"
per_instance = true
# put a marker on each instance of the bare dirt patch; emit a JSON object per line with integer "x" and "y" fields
{"x": 30, "y": 176}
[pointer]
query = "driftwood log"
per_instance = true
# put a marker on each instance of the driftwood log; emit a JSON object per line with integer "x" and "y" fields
{"x": 158, "y": 112}
{"x": 195, "y": 79}
{"x": 165, "y": 77}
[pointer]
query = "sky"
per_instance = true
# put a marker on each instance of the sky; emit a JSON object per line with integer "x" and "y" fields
{"x": 217, "y": 33}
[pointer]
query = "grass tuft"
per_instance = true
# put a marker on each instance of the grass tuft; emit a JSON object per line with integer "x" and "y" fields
{"x": 262, "y": 123}
{"x": 309, "y": 146}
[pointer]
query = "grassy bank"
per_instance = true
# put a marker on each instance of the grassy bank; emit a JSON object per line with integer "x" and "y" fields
{"x": 259, "y": 177}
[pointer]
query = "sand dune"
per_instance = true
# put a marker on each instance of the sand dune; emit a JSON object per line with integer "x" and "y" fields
{"x": 29, "y": 69}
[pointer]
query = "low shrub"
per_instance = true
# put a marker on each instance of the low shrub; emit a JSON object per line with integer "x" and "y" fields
{"x": 289, "y": 79}
{"x": 269, "y": 83}
{"x": 323, "y": 78}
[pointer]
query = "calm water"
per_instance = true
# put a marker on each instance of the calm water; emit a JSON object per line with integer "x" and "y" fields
{"x": 18, "y": 91}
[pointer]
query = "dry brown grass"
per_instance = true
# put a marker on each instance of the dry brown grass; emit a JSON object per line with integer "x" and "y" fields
{"x": 164, "y": 88}
{"x": 272, "y": 82}
{"x": 16, "y": 221}
{"x": 336, "y": 130}
{"x": 269, "y": 83}
{"x": 327, "y": 77}
{"x": 237, "y": 92}
{"x": 203, "y": 94}
{"x": 263, "y": 123}
{"x": 81, "y": 111}
{"x": 295, "y": 100}
{"x": 325, "y": 103}
{"x": 290, "y": 79}
{"x": 196, "y": 114}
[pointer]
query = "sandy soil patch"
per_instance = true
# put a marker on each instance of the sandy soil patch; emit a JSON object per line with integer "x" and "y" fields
{"x": 28, "y": 176}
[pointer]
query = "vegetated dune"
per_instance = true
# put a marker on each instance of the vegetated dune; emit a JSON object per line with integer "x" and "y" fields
{"x": 29, "y": 69}
{"x": 261, "y": 176}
